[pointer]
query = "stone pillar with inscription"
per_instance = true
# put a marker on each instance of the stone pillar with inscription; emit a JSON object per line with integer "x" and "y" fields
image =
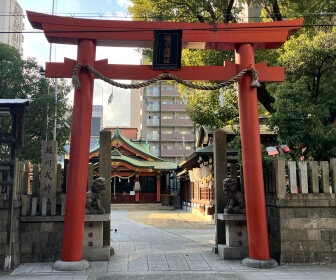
{"x": 105, "y": 172}
{"x": 93, "y": 245}
{"x": 220, "y": 172}
{"x": 236, "y": 243}
{"x": 48, "y": 178}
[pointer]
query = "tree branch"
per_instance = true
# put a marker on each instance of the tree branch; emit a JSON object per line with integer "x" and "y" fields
{"x": 269, "y": 13}
{"x": 276, "y": 11}
{"x": 229, "y": 16}
{"x": 265, "y": 98}
{"x": 211, "y": 11}
{"x": 198, "y": 16}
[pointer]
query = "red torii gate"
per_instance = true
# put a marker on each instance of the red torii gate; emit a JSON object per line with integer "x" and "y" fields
{"x": 244, "y": 38}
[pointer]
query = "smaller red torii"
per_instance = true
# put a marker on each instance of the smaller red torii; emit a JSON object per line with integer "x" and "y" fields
{"x": 243, "y": 38}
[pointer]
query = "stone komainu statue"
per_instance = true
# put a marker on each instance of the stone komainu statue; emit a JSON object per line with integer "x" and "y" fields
{"x": 235, "y": 199}
{"x": 93, "y": 197}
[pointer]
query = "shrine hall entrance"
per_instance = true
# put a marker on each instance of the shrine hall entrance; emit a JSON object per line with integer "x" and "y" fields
{"x": 122, "y": 190}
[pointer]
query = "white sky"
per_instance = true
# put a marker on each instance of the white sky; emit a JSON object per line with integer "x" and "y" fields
{"x": 36, "y": 45}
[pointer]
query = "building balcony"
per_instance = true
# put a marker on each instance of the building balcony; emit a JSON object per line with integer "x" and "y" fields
{"x": 152, "y": 93}
{"x": 178, "y": 137}
{"x": 173, "y": 107}
{"x": 153, "y": 137}
{"x": 170, "y": 122}
{"x": 166, "y": 108}
{"x": 171, "y": 137}
{"x": 177, "y": 122}
{"x": 165, "y": 92}
{"x": 153, "y": 108}
{"x": 176, "y": 153}
{"x": 153, "y": 122}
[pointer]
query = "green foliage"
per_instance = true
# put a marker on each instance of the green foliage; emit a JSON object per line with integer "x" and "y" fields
{"x": 204, "y": 109}
{"x": 20, "y": 78}
{"x": 185, "y": 10}
{"x": 236, "y": 142}
{"x": 302, "y": 110}
{"x": 300, "y": 123}
{"x": 305, "y": 104}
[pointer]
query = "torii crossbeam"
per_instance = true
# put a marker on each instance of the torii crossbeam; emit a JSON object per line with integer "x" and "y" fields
{"x": 243, "y": 38}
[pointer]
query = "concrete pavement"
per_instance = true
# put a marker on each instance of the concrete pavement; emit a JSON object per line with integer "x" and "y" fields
{"x": 164, "y": 245}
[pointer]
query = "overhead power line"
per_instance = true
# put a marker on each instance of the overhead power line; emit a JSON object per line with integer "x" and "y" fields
{"x": 130, "y": 16}
{"x": 144, "y": 30}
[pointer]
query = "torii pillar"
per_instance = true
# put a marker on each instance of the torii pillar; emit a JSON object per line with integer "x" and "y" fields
{"x": 244, "y": 38}
{"x": 78, "y": 172}
{"x": 252, "y": 162}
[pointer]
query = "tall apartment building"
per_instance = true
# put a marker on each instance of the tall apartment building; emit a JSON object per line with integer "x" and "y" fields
{"x": 11, "y": 24}
{"x": 163, "y": 121}
{"x": 249, "y": 13}
{"x": 96, "y": 124}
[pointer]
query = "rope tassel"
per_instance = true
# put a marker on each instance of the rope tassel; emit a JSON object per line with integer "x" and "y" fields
{"x": 255, "y": 82}
{"x": 75, "y": 80}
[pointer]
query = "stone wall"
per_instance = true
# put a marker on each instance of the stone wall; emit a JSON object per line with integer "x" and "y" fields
{"x": 302, "y": 228}
{"x": 15, "y": 261}
{"x": 41, "y": 238}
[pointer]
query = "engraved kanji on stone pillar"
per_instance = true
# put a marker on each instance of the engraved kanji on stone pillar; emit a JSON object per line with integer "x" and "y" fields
{"x": 48, "y": 176}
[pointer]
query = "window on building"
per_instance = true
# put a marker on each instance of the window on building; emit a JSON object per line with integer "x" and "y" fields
{"x": 167, "y": 131}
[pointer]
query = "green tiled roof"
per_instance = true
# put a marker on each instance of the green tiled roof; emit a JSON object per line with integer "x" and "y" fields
{"x": 139, "y": 162}
{"x": 136, "y": 146}
{"x": 154, "y": 163}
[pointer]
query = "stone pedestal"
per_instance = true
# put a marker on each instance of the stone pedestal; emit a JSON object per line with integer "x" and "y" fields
{"x": 236, "y": 245}
{"x": 93, "y": 245}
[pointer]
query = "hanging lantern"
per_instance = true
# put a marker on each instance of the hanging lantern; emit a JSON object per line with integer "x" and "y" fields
{"x": 137, "y": 186}
{"x": 205, "y": 170}
{"x": 198, "y": 174}
{"x": 191, "y": 176}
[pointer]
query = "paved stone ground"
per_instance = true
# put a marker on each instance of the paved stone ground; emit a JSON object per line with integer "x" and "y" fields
{"x": 170, "y": 245}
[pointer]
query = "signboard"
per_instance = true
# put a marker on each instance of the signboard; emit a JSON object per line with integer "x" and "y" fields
{"x": 167, "y": 49}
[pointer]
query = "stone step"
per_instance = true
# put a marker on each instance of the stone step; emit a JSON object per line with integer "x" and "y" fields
{"x": 143, "y": 206}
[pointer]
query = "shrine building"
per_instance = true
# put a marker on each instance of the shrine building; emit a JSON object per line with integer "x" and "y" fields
{"x": 137, "y": 176}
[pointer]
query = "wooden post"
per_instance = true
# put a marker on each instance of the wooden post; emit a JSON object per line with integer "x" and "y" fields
{"x": 303, "y": 176}
{"x": 220, "y": 173}
{"x": 292, "y": 176}
{"x": 313, "y": 174}
{"x": 36, "y": 181}
{"x": 325, "y": 183}
{"x": 280, "y": 178}
{"x": 333, "y": 174}
{"x": 158, "y": 188}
